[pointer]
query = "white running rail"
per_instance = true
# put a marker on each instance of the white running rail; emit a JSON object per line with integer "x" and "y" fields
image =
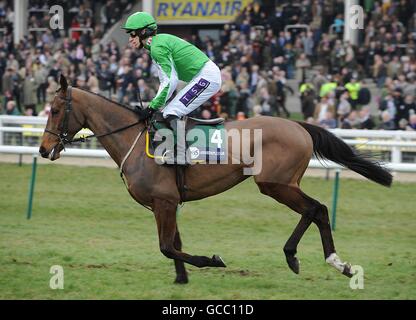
{"x": 378, "y": 140}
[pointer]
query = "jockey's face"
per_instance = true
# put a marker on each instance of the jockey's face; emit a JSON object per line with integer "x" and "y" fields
{"x": 134, "y": 40}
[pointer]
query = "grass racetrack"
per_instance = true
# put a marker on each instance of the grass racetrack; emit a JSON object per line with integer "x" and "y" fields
{"x": 85, "y": 221}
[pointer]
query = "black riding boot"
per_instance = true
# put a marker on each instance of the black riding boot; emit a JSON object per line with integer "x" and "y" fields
{"x": 180, "y": 150}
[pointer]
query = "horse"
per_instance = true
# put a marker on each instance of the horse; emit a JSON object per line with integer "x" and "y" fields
{"x": 287, "y": 147}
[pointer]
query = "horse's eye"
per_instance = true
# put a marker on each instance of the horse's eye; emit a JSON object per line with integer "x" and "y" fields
{"x": 54, "y": 112}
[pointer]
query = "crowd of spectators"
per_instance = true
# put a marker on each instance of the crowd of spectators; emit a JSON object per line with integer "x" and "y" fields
{"x": 338, "y": 83}
{"x": 261, "y": 62}
{"x": 29, "y": 70}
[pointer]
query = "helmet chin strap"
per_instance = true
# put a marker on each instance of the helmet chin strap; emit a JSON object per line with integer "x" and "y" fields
{"x": 145, "y": 42}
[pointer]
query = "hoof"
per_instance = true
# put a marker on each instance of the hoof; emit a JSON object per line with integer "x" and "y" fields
{"x": 347, "y": 270}
{"x": 293, "y": 264}
{"x": 181, "y": 280}
{"x": 217, "y": 261}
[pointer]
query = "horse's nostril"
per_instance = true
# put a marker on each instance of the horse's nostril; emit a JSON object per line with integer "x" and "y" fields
{"x": 43, "y": 152}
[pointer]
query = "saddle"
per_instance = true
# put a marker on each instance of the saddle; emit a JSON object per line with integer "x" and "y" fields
{"x": 205, "y": 142}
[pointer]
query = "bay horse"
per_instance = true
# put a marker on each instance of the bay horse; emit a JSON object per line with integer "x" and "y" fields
{"x": 287, "y": 148}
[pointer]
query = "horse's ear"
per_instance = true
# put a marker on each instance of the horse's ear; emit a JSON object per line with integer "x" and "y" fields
{"x": 64, "y": 83}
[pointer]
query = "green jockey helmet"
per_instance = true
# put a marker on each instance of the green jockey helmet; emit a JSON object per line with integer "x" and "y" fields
{"x": 140, "y": 20}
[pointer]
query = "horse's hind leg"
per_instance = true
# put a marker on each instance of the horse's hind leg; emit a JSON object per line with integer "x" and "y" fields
{"x": 311, "y": 211}
{"x": 165, "y": 214}
{"x": 290, "y": 248}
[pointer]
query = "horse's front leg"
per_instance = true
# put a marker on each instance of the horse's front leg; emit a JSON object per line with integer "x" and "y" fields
{"x": 165, "y": 214}
{"x": 181, "y": 274}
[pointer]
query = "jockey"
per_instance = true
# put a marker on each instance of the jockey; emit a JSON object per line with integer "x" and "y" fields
{"x": 175, "y": 59}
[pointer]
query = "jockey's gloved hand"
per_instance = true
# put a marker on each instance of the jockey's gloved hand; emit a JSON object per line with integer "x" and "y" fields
{"x": 145, "y": 113}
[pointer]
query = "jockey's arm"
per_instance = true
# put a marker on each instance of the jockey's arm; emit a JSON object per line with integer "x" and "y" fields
{"x": 168, "y": 77}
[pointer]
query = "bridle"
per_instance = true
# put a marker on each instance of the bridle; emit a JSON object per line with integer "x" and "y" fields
{"x": 64, "y": 134}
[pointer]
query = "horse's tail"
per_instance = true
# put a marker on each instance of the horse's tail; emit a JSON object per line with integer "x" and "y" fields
{"x": 327, "y": 146}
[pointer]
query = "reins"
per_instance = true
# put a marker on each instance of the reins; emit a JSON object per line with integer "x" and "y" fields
{"x": 84, "y": 139}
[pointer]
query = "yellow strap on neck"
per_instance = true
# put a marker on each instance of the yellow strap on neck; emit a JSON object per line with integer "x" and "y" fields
{"x": 147, "y": 146}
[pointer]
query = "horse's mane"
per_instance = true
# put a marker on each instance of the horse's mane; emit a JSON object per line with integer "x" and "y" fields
{"x": 105, "y": 98}
{"x": 109, "y": 100}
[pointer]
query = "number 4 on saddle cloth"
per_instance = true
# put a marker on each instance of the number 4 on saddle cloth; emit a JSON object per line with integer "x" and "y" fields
{"x": 196, "y": 141}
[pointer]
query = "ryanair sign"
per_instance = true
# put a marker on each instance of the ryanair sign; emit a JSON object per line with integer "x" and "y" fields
{"x": 197, "y": 11}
